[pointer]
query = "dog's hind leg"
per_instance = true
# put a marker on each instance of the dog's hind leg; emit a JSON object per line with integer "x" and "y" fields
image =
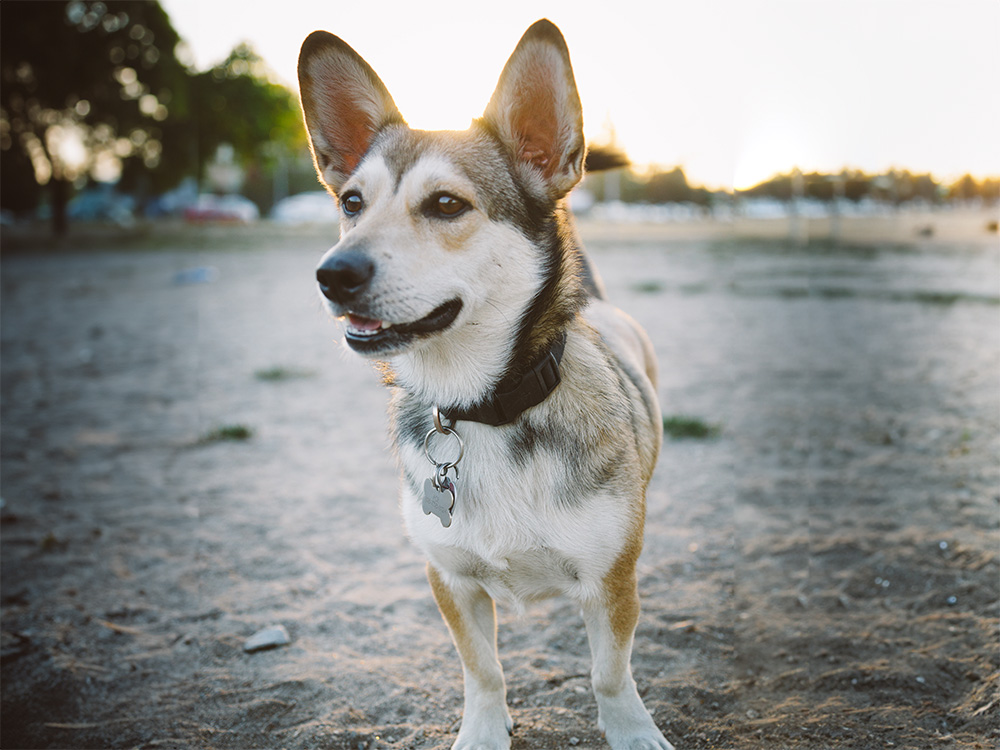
{"x": 611, "y": 622}
{"x": 471, "y": 617}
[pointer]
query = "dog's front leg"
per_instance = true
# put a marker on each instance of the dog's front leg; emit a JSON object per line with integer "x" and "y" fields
{"x": 471, "y": 618}
{"x": 610, "y": 623}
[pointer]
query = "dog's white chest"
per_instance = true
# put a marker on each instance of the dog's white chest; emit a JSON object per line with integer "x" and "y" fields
{"x": 509, "y": 533}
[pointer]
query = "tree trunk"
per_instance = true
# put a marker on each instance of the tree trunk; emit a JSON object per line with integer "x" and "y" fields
{"x": 60, "y": 202}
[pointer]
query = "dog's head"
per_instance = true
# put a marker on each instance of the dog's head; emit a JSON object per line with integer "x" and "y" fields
{"x": 439, "y": 230}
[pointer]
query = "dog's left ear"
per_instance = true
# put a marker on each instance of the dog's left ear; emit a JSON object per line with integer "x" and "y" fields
{"x": 536, "y": 109}
{"x": 345, "y": 105}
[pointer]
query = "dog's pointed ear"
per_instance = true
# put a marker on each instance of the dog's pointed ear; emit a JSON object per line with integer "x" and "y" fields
{"x": 344, "y": 103}
{"x": 536, "y": 109}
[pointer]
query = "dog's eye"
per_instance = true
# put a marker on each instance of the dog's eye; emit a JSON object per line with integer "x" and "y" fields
{"x": 351, "y": 204}
{"x": 447, "y": 206}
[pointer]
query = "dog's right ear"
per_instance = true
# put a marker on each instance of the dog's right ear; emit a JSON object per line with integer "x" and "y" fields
{"x": 536, "y": 112}
{"x": 344, "y": 103}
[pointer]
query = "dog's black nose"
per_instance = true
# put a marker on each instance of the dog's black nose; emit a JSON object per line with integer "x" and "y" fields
{"x": 345, "y": 275}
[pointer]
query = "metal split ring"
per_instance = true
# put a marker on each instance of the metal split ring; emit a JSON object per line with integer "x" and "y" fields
{"x": 441, "y": 429}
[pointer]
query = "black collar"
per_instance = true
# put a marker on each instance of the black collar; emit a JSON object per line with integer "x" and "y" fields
{"x": 513, "y": 398}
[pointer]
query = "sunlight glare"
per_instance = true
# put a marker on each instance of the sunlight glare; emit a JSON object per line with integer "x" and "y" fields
{"x": 706, "y": 85}
{"x": 771, "y": 146}
{"x": 66, "y": 142}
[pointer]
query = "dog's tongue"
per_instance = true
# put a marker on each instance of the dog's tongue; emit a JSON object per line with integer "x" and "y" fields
{"x": 359, "y": 323}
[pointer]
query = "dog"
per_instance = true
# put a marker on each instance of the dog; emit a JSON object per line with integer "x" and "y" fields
{"x": 524, "y": 411}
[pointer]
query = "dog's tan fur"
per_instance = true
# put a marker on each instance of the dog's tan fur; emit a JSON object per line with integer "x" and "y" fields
{"x": 453, "y": 305}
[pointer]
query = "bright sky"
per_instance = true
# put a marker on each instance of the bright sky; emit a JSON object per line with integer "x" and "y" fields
{"x": 733, "y": 90}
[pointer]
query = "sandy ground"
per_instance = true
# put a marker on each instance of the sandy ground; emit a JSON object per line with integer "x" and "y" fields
{"x": 823, "y": 573}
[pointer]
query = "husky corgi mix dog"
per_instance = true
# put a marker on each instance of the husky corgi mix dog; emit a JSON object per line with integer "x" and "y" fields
{"x": 524, "y": 410}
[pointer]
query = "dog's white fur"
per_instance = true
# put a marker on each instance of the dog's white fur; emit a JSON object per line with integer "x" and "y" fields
{"x": 511, "y": 539}
{"x": 460, "y": 364}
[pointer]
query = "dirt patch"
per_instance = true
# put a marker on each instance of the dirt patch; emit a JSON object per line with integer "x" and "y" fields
{"x": 820, "y": 569}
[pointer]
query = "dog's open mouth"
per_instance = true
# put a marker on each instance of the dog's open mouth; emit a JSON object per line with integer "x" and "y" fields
{"x": 371, "y": 336}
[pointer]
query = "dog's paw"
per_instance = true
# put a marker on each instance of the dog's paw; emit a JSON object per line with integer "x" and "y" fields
{"x": 637, "y": 738}
{"x": 652, "y": 739}
{"x": 485, "y": 732}
{"x": 637, "y": 732}
{"x": 482, "y": 743}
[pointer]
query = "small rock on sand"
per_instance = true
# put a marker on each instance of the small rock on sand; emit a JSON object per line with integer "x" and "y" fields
{"x": 271, "y": 637}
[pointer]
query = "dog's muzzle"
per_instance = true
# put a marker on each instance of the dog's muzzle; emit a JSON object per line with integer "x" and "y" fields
{"x": 345, "y": 276}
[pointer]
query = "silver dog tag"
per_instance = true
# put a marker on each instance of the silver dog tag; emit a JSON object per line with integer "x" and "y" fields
{"x": 439, "y": 501}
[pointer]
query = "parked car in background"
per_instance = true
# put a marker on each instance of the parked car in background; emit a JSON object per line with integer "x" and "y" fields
{"x": 173, "y": 202}
{"x": 222, "y": 208}
{"x": 102, "y": 203}
{"x": 315, "y": 207}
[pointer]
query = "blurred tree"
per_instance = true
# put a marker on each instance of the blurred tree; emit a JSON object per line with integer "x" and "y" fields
{"x": 241, "y": 106}
{"x": 96, "y": 89}
{"x": 631, "y": 187}
{"x": 654, "y": 186}
{"x": 85, "y": 87}
{"x": 911, "y": 186}
{"x": 989, "y": 190}
{"x": 818, "y": 186}
{"x": 778, "y": 187}
{"x": 668, "y": 187}
{"x": 964, "y": 189}
{"x": 926, "y": 188}
{"x": 857, "y": 186}
{"x": 659, "y": 186}
{"x": 895, "y": 187}
{"x": 238, "y": 104}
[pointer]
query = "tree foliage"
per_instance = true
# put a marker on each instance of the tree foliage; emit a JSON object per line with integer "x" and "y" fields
{"x": 654, "y": 186}
{"x": 966, "y": 188}
{"x": 96, "y": 89}
{"x": 85, "y": 86}
{"x": 893, "y": 187}
{"x": 239, "y": 105}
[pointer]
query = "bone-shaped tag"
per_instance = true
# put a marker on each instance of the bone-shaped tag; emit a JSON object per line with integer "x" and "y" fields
{"x": 439, "y": 501}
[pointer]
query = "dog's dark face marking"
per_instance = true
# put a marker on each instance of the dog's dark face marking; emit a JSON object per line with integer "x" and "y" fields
{"x": 480, "y": 157}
